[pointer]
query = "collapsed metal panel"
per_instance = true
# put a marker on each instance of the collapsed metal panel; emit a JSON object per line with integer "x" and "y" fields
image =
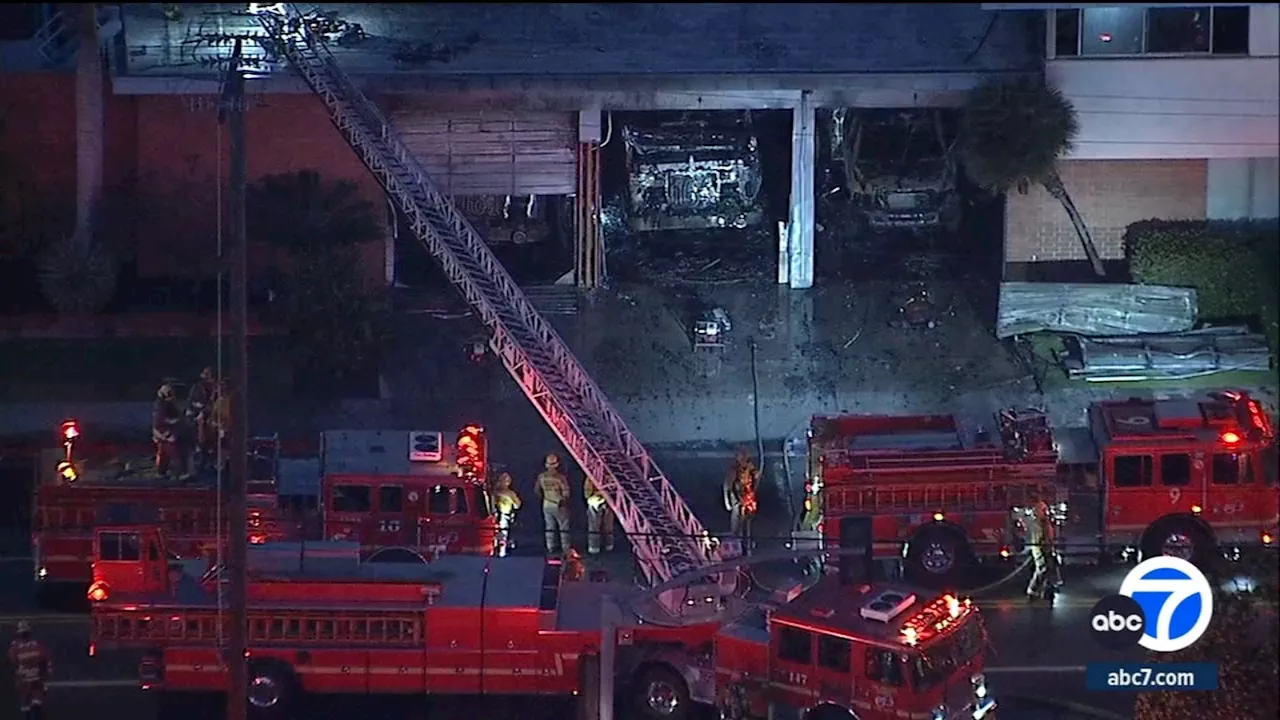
{"x": 1094, "y": 309}
{"x": 497, "y": 153}
{"x": 1167, "y": 356}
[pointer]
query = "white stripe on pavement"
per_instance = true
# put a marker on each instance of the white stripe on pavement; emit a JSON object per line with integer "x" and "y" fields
{"x": 1031, "y": 669}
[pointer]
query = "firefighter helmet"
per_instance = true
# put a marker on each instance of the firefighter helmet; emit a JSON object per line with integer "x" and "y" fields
{"x": 24, "y": 626}
{"x": 504, "y": 480}
{"x": 572, "y": 555}
{"x": 165, "y": 392}
{"x": 552, "y": 462}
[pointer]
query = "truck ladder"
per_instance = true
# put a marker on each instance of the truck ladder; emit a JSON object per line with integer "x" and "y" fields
{"x": 667, "y": 538}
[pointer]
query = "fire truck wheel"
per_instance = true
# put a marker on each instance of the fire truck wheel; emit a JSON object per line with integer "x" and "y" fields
{"x": 661, "y": 694}
{"x": 938, "y": 556}
{"x": 1180, "y": 538}
{"x": 273, "y": 690}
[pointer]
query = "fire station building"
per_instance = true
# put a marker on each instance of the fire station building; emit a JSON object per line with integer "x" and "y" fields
{"x": 503, "y": 100}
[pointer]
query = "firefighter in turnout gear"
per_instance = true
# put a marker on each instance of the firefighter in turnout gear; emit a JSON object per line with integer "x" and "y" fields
{"x": 200, "y": 411}
{"x": 31, "y": 669}
{"x": 1041, "y": 536}
{"x": 166, "y": 419}
{"x": 599, "y": 519}
{"x": 740, "y": 496}
{"x": 553, "y": 488}
{"x": 505, "y": 504}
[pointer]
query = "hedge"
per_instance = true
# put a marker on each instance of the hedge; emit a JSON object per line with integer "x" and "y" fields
{"x": 1233, "y": 265}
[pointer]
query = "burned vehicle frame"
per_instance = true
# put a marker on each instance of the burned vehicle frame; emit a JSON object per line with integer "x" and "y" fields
{"x": 514, "y": 219}
{"x": 893, "y": 168}
{"x": 698, "y": 172}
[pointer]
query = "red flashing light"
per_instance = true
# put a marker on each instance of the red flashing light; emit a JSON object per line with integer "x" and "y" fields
{"x": 70, "y": 430}
{"x": 471, "y": 454}
{"x": 98, "y": 591}
{"x": 1230, "y": 438}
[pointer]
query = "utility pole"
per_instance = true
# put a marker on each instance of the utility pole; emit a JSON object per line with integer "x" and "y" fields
{"x": 232, "y": 115}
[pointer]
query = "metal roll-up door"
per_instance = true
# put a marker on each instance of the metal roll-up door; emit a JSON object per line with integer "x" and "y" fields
{"x": 493, "y": 153}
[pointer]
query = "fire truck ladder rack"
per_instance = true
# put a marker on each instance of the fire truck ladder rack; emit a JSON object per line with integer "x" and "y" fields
{"x": 665, "y": 534}
{"x": 915, "y": 497}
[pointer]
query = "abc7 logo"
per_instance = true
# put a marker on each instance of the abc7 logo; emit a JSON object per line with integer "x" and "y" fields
{"x": 1117, "y": 621}
{"x": 1165, "y": 604}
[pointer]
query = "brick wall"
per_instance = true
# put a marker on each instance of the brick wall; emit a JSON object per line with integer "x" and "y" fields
{"x": 1111, "y": 195}
{"x": 168, "y": 148}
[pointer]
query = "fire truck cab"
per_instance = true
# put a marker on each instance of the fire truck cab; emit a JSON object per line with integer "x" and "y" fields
{"x": 81, "y": 488}
{"x": 1178, "y": 477}
{"x": 407, "y": 491}
{"x": 865, "y": 652}
{"x": 938, "y": 491}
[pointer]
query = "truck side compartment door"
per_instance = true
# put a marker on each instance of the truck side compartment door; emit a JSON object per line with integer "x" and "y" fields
{"x": 833, "y": 669}
{"x": 793, "y": 667}
{"x": 1238, "y": 493}
{"x": 348, "y": 511}
{"x": 1132, "y": 493}
{"x": 1181, "y": 476}
{"x": 389, "y": 525}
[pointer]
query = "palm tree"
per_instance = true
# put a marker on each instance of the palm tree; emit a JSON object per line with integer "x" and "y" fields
{"x": 78, "y": 274}
{"x": 337, "y": 323}
{"x": 1012, "y": 134}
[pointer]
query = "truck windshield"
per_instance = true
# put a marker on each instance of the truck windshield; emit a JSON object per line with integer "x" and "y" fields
{"x": 935, "y": 665}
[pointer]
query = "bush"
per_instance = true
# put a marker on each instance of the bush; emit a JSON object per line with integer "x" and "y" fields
{"x": 1232, "y": 264}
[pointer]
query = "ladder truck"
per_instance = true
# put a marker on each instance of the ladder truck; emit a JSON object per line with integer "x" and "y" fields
{"x": 666, "y": 537}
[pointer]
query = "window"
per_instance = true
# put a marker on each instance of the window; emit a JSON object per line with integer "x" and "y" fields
{"x": 123, "y": 547}
{"x": 439, "y": 500}
{"x": 794, "y": 645}
{"x": 1066, "y": 33}
{"x": 1175, "y": 470}
{"x": 1178, "y": 30}
{"x": 479, "y": 502}
{"x": 1230, "y": 468}
{"x": 390, "y": 499}
{"x": 883, "y": 667}
{"x": 1111, "y": 31}
{"x": 153, "y": 551}
{"x": 1131, "y": 471}
{"x": 834, "y": 653}
{"x": 351, "y": 499}
{"x": 1269, "y": 459}
{"x": 1230, "y": 30}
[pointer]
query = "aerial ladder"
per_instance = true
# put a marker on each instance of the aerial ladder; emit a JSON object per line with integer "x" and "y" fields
{"x": 668, "y": 540}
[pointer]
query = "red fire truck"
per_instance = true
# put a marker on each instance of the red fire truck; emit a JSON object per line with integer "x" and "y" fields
{"x": 80, "y": 488}
{"x": 397, "y": 491}
{"x": 322, "y": 621}
{"x": 1160, "y": 476}
{"x": 407, "y": 491}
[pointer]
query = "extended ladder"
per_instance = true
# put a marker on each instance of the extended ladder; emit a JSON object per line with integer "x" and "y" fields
{"x": 668, "y": 539}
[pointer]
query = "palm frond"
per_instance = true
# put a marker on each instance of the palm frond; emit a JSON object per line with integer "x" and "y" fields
{"x": 300, "y": 211}
{"x": 1014, "y": 131}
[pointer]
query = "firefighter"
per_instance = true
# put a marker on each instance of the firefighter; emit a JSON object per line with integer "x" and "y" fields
{"x": 166, "y": 418}
{"x": 31, "y": 669}
{"x": 1041, "y": 537}
{"x": 574, "y": 570}
{"x": 200, "y": 411}
{"x": 505, "y": 504}
{"x": 553, "y": 488}
{"x": 599, "y": 519}
{"x": 740, "y": 496}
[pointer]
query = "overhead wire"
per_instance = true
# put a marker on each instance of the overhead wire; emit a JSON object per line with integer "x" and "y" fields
{"x": 219, "y": 559}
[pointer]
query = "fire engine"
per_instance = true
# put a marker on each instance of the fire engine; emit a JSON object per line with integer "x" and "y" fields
{"x": 394, "y": 491}
{"x": 322, "y": 621}
{"x": 407, "y": 491}
{"x": 1175, "y": 477}
{"x": 79, "y": 488}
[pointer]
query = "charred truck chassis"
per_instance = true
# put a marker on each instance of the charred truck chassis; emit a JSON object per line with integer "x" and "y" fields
{"x": 894, "y": 168}
{"x": 694, "y": 174}
{"x": 513, "y": 219}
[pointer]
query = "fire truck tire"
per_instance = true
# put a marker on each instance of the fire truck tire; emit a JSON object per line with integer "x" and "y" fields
{"x": 274, "y": 690}
{"x": 938, "y": 557}
{"x": 660, "y": 693}
{"x": 1179, "y": 537}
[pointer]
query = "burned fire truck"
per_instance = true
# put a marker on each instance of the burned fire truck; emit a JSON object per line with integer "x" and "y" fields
{"x": 696, "y": 173}
{"x": 894, "y": 168}
{"x": 322, "y": 621}
{"x": 392, "y": 491}
{"x": 1173, "y": 477}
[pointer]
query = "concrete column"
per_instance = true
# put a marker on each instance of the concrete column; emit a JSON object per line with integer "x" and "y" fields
{"x": 800, "y": 222}
{"x": 90, "y": 126}
{"x": 588, "y": 239}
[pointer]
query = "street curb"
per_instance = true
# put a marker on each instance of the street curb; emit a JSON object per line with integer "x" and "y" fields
{"x": 1069, "y": 705}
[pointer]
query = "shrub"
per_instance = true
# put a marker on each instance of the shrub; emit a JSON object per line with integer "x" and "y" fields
{"x": 1231, "y": 264}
